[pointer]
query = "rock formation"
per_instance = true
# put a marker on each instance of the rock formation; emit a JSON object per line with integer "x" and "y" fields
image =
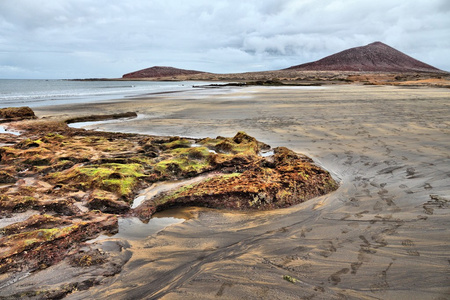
{"x": 10, "y": 114}
{"x": 61, "y": 186}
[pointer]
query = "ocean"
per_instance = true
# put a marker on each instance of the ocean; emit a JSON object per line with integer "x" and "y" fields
{"x": 35, "y": 93}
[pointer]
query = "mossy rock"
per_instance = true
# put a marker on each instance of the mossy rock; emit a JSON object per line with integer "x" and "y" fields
{"x": 28, "y": 143}
{"x": 289, "y": 179}
{"x": 107, "y": 202}
{"x": 8, "y": 175}
{"x": 121, "y": 179}
{"x": 177, "y": 143}
{"x": 33, "y": 222}
{"x": 240, "y": 143}
{"x": 17, "y": 113}
{"x": 17, "y": 204}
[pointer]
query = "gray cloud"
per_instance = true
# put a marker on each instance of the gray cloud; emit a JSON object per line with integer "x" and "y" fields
{"x": 80, "y": 38}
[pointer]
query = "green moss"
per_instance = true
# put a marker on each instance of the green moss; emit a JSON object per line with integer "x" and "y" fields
{"x": 30, "y": 242}
{"x": 30, "y": 143}
{"x": 30, "y": 239}
{"x": 143, "y": 161}
{"x": 123, "y": 186}
{"x": 283, "y": 195}
{"x": 192, "y": 153}
{"x": 179, "y": 143}
{"x": 180, "y": 191}
{"x": 194, "y": 190}
{"x": 240, "y": 143}
{"x": 41, "y": 235}
{"x": 120, "y": 178}
{"x": 330, "y": 185}
{"x": 224, "y": 177}
{"x": 113, "y": 177}
{"x": 37, "y": 160}
{"x": 105, "y": 170}
{"x": 303, "y": 175}
{"x": 210, "y": 143}
{"x": 182, "y": 164}
{"x": 290, "y": 278}
{"x": 53, "y": 137}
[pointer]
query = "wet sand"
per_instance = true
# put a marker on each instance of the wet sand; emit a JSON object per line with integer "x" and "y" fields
{"x": 384, "y": 234}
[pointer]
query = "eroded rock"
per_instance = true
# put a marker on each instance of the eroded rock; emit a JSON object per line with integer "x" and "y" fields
{"x": 10, "y": 114}
{"x": 78, "y": 182}
{"x": 265, "y": 183}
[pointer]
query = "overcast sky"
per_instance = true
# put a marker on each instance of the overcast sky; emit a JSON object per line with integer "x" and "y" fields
{"x": 107, "y": 38}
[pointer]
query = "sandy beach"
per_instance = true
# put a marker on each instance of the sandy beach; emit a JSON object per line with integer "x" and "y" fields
{"x": 384, "y": 234}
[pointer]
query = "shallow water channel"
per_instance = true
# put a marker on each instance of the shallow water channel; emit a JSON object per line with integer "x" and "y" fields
{"x": 133, "y": 228}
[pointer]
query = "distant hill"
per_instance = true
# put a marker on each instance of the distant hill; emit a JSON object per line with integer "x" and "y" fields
{"x": 375, "y": 57}
{"x": 160, "y": 72}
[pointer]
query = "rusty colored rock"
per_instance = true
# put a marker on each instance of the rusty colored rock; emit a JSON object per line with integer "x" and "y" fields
{"x": 10, "y": 114}
{"x": 43, "y": 247}
{"x": 266, "y": 183}
{"x": 102, "y": 117}
{"x": 78, "y": 182}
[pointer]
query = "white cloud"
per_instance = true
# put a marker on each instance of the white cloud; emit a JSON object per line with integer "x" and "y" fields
{"x": 70, "y": 37}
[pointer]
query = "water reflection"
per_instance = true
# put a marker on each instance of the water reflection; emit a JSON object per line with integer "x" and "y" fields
{"x": 4, "y": 130}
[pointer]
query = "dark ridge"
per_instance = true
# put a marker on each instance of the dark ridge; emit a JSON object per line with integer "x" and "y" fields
{"x": 375, "y": 57}
{"x": 93, "y": 118}
{"x": 160, "y": 72}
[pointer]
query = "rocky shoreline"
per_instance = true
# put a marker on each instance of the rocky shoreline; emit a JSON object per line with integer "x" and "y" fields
{"x": 62, "y": 186}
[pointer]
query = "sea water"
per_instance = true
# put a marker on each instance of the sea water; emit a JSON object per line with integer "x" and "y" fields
{"x": 35, "y": 93}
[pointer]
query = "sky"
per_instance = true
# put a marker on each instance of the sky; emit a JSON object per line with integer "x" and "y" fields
{"x": 52, "y": 39}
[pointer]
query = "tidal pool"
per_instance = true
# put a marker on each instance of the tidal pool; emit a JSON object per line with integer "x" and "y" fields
{"x": 4, "y": 130}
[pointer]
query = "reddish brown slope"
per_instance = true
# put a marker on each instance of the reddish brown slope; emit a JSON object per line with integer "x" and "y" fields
{"x": 160, "y": 72}
{"x": 375, "y": 57}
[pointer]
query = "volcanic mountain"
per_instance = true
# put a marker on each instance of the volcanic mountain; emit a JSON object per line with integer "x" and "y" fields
{"x": 160, "y": 72}
{"x": 375, "y": 57}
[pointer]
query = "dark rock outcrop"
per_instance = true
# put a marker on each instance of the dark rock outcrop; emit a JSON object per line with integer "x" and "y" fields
{"x": 93, "y": 118}
{"x": 10, "y": 114}
{"x": 279, "y": 180}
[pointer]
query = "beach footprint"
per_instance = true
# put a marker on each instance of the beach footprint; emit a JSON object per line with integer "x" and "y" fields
{"x": 304, "y": 231}
{"x": 335, "y": 278}
{"x": 382, "y": 284}
{"x": 410, "y": 247}
{"x": 328, "y": 248}
{"x": 222, "y": 288}
{"x": 378, "y": 206}
{"x": 410, "y": 172}
{"x": 437, "y": 202}
{"x": 361, "y": 214}
{"x": 355, "y": 266}
{"x": 406, "y": 189}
